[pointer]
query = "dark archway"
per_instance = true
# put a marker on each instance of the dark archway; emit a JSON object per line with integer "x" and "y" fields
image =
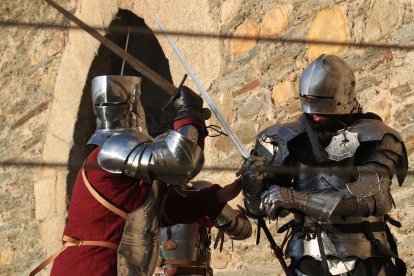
{"x": 147, "y": 50}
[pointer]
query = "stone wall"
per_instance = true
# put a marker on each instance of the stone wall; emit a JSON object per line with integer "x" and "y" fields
{"x": 254, "y": 82}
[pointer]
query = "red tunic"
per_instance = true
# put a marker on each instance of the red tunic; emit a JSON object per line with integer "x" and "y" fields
{"x": 89, "y": 220}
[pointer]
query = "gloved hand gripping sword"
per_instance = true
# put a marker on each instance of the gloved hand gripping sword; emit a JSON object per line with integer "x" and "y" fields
{"x": 277, "y": 251}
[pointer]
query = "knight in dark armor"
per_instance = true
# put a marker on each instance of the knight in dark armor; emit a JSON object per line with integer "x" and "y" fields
{"x": 332, "y": 168}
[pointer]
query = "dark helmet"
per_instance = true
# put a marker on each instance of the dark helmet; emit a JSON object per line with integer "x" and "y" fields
{"x": 327, "y": 87}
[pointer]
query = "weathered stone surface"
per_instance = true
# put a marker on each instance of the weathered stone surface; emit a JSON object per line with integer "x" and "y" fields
{"x": 221, "y": 260}
{"x": 402, "y": 91}
{"x": 249, "y": 28}
{"x": 49, "y": 73}
{"x": 329, "y": 25}
{"x": 383, "y": 107}
{"x": 383, "y": 19}
{"x": 228, "y": 9}
{"x": 283, "y": 92}
{"x": 247, "y": 88}
{"x": 409, "y": 143}
{"x": 45, "y": 196}
{"x": 276, "y": 21}
{"x": 252, "y": 106}
{"x": 246, "y": 133}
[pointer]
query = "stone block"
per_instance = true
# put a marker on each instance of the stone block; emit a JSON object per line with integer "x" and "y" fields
{"x": 276, "y": 21}
{"x": 382, "y": 20}
{"x": 45, "y": 198}
{"x": 247, "y": 88}
{"x": 61, "y": 122}
{"x": 329, "y": 25}
{"x": 249, "y": 28}
{"x": 61, "y": 193}
{"x": 55, "y": 149}
{"x": 52, "y": 230}
{"x": 283, "y": 92}
{"x": 228, "y": 9}
{"x": 7, "y": 257}
{"x": 253, "y": 105}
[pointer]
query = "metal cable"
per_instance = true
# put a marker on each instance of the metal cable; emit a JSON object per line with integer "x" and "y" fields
{"x": 145, "y": 32}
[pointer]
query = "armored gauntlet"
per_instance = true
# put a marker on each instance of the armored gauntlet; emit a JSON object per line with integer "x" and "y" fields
{"x": 252, "y": 172}
{"x": 316, "y": 204}
{"x": 189, "y": 105}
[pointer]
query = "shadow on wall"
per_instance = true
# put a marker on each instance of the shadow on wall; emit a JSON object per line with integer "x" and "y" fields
{"x": 147, "y": 50}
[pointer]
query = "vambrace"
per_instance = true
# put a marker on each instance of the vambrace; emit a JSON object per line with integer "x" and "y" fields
{"x": 316, "y": 204}
{"x": 319, "y": 204}
{"x": 234, "y": 223}
{"x": 174, "y": 159}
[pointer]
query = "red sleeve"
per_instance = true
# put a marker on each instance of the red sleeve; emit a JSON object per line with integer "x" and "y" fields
{"x": 192, "y": 121}
{"x": 190, "y": 206}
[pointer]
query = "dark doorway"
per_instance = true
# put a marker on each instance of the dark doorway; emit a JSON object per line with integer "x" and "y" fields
{"x": 147, "y": 49}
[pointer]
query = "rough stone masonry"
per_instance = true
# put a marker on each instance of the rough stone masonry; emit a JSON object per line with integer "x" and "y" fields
{"x": 44, "y": 80}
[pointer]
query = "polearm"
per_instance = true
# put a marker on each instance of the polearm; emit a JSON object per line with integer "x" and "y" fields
{"x": 277, "y": 251}
{"x": 206, "y": 96}
{"x": 130, "y": 59}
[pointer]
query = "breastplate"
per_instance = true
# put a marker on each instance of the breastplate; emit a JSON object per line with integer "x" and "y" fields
{"x": 185, "y": 244}
{"x": 316, "y": 178}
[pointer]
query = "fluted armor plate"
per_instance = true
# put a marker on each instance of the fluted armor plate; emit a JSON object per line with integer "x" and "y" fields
{"x": 139, "y": 247}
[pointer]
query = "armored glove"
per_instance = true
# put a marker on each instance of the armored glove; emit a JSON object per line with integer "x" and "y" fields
{"x": 275, "y": 199}
{"x": 316, "y": 204}
{"x": 189, "y": 105}
{"x": 253, "y": 171}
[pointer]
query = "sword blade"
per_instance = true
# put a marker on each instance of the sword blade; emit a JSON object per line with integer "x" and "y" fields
{"x": 130, "y": 59}
{"x": 209, "y": 100}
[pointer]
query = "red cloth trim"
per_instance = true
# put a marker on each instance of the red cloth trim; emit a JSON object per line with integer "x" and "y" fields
{"x": 205, "y": 222}
{"x": 188, "y": 121}
{"x": 192, "y": 121}
{"x": 89, "y": 220}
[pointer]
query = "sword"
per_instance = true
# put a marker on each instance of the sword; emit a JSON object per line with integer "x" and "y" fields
{"x": 209, "y": 100}
{"x": 130, "y": 59}
{"x": 277, "y": 251}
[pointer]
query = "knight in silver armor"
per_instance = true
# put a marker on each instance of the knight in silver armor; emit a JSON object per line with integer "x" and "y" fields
{"x": 185, "y": 248}
{"x": 130, "y": 183}
{"x": 127, "y": 149}
{"x": 339, "y": 190}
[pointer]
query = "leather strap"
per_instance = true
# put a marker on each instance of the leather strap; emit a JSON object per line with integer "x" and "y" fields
{"x": 70, "y": 242}
{"x": 181, "y": 262}
{"x": 182, "y": 270}
{"x": 78, "y": 242}
{"x": 100, "y": 199}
